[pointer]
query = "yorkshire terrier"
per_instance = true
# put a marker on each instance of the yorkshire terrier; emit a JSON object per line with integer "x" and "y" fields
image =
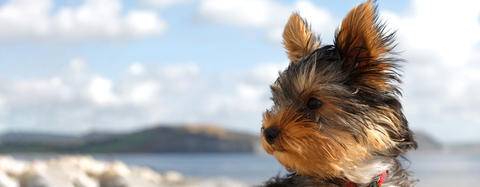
{"x": 337, "y": 119}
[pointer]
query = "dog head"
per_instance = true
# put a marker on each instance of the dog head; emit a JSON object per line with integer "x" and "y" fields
{"x": 336, "y": 106}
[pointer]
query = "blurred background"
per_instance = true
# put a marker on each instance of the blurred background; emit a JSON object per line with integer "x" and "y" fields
{"x": 171, "y": 92}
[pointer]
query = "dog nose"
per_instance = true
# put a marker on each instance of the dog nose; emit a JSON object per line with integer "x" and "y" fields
{"x": 270, "y": 134}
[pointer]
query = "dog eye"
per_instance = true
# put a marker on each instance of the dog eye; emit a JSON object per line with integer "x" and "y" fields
{"x": 314, "y": 103}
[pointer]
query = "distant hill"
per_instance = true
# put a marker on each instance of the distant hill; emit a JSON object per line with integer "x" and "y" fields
{"x": 174, "y": 139}
{"x": 41, "y": 138}
{"x": 165, "y": 139}
{"x": 427, "y": 142}
{"x": 161, "y": 139}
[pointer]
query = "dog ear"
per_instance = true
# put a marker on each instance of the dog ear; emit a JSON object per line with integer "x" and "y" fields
{"x": 298, "y": 39}
{"x": 364, "y": 48}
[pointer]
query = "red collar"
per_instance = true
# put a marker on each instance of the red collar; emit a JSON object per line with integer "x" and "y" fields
{"x": 377, "y": 181}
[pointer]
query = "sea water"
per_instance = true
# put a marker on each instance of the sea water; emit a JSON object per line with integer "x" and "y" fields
{"x": 431, "y": 169}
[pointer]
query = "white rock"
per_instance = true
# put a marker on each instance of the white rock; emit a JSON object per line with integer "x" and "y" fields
{"x": 173, "y": 176}
{"x": 11, "y": 166}
{"x": 84, "y": 171}
{"x": 6, "y": 181}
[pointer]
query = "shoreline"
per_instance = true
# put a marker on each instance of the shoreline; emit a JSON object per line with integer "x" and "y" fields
{"x": 86, "y": 171}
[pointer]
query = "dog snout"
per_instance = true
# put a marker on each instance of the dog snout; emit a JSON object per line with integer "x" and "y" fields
{"x": 271, "y": 134}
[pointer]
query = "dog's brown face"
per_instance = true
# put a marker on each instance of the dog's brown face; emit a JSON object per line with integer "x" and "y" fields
{"x": 336, "y": 106}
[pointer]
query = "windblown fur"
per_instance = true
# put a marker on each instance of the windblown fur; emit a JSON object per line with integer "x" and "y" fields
{"x": 336, "y": 115}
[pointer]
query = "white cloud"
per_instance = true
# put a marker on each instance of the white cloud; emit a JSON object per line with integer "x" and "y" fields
{"x": 165, "y": 3}
{"x": 268, "y": 15}
{"x": 440, "y": 43}
{"x": 442, "y": 76}
{"x": 20, "y": 19}
{"x": 78, "y": 100}
{"x": 143, "y": 23}
{"x": 136, "y": 69}
{"x": 249, "y": 13}
{"x": 144, "y": 92}
{"x": 100, "y": 91}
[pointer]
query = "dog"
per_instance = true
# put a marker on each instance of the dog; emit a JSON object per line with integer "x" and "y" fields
{"x": 337, "y": 118}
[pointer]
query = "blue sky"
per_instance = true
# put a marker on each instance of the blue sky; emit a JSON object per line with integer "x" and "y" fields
{"x": 186, "y": 34}
{"x": 75, "y": 66}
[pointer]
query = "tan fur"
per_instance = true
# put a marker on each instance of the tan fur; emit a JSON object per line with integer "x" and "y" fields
{"x": 325, "y": 151}
{"x": 308, "y": 150}
{"x": 298, "y": 39}
{"x": 360, "y": 39}
{"x": 355, "y": 127}
{"x": 358, "y": 30}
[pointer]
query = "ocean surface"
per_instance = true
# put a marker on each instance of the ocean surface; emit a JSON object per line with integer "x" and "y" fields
{"x": 431, "y": 169}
